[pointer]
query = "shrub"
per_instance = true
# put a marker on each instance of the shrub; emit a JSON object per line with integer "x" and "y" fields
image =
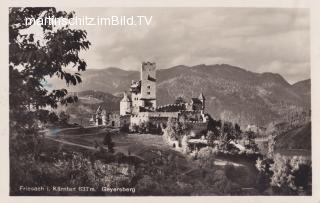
{"x": 134, "y": 128}
{"x": 108, "y": 142}
{"x": 206, "y": 157}
{"x": 147, "y": 186}
{"x": 289, "y": 174}
{"x": 184, "y": 145}
{"x": 230, "y": 170}
{"x": 221, "y": 184}
{"x": 264, "y": 175}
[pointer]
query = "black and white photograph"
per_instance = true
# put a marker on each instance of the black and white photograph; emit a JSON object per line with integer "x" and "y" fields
{"x": 160, "y": 101}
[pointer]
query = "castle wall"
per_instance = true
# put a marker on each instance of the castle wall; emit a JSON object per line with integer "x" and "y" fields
{"x": 193, "y": 116}
{"x": 113, "y": 120}
{"x": 149, "y": 116}
{"x": 171, "y": 108}
{"x": 136, "y": 102}
{"x": 125, "y": 107}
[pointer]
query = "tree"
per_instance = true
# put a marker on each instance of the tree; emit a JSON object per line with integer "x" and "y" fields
{"x": 237, "y": 131}
{"x": 33, "y": 59}
{"x": 249, "y": 136}
{"x": 206, "y": 157}
{"x": 282, "y": 179}
{"x": 179, "y": 100}
{"x": 64, "y": 118}
{"x": 271, "y": 145}
{"x": 176, "y": 129}
{"x": 184, "y": 145}
{"x": 264, "y": 175}
{"x": 227, "y": 131}
{"x": 170, "y": 130}
{"x": 211, "y": 137}
{"x": 108, "y": 142}
{"x": 213, "y": 125}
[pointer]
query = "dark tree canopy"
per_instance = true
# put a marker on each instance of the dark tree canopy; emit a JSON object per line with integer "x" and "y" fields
{"x": 179, "y": 100}
{"x": 35, "y": 57}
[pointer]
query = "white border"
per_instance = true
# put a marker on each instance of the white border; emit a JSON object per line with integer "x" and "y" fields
{"x": 315, "y": 80}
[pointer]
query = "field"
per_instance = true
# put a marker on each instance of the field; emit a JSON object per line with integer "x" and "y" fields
{"x": 146, "y": 147}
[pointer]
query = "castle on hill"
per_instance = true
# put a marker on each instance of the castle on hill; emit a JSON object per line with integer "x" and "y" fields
{"x": 140, "y": 105}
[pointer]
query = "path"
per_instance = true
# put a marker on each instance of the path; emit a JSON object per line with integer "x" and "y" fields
{"x": 71, "y": 143}
{"x": 116, "y": 149}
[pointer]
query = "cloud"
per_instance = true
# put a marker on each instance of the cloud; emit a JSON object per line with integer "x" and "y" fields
{"x": 257, "y": 39}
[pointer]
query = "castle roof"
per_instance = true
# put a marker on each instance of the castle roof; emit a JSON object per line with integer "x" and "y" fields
{"x": 125, "y": 98}
{"x": 201, "y": 97}
{"x": 196, "y": 101}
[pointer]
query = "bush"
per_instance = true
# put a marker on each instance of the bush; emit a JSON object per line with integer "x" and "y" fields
{"x": 184, "y": 145}
{"x": 108, "y": 142}
{"x": 134, "y": 128}
{"x": 230, "y": 171}
{"x": 221, "y": 184}
{"x": 147, "y": 186}
{"x": 289, "y": 174}
{"x": 206, "y": 157}
{"x": 264, "y": 175}
{"x": 68, "y": 169}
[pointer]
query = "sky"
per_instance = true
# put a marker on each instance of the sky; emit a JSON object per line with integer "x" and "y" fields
{"x": 257, "y": 39}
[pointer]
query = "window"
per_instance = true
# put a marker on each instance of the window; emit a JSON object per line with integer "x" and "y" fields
{"x": 148, "y": 93}
{"x": 148, "y": 86}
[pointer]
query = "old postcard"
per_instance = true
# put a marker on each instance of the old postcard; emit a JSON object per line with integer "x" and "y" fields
{"x": 160, "y": 101}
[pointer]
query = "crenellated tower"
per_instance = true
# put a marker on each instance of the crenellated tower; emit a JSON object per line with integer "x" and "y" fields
{"x": 148, "y": 85}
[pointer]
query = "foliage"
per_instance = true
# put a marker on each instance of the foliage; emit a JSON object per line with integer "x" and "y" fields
{"x": 64, "y": 118}
{"x": 34, "y": 58}
{"x": 249, "y": 137}
{"x": 264, "y": 175}
{"x": 176, "y": 129}
{"x": 184, "y": 145}
{"x": 134, "y": 128}
{"x": 214, "y": 125}
{"x": 221, "y": 184}
{"x": 143, "y": 127}
{"x": 229, "y": 131}
{"x": 147, "y": 186}
{"x": 211, "y": 137}
{"x": 271, "y": 145}
{"x": 70, "y": 170}
{"x": 206, "y": 157}
{"x": 180, "y": 100}
{"x": 214, "y": 130}
{"x": 108, "y": 142}
{"x": 285, "y": 174}
{"x": 146, "y": 127}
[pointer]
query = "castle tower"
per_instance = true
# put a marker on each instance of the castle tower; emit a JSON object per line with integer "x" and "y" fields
{"x": 148, "y": 85}
{"x": 135, "y": 90}
{"x": 125, "y": 105}
{"x": 203, "y": 100}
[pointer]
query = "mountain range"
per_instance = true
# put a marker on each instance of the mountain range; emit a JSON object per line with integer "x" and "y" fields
{"x": 232, "y": 93}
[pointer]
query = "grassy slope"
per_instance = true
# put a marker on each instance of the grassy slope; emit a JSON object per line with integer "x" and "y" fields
{"x": 147, "y": 147}
{"x": 298, "y": 138}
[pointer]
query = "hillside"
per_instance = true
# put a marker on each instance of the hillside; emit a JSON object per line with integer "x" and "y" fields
{"x": 88, "y": 103}
{"x": 303, "y": 88}
{"x": 232, "y": 93}
{"x": 298, "y": 138}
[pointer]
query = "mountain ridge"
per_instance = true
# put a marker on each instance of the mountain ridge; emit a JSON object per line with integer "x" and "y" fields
{"x": 232, "y": 93}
